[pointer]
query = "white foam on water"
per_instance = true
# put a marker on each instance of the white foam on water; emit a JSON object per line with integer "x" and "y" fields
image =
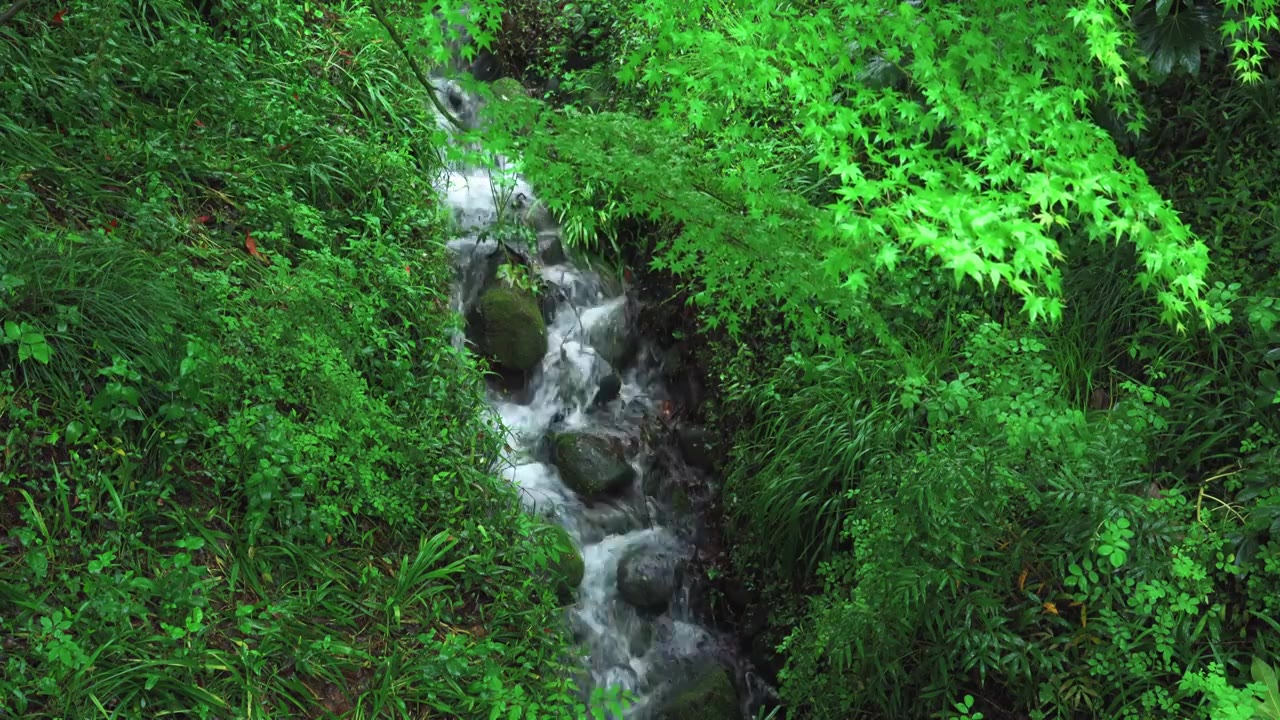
{"x": 627, "y": 649}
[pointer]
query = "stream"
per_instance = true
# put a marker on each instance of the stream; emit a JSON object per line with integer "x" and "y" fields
{"x": 583, "y": 453}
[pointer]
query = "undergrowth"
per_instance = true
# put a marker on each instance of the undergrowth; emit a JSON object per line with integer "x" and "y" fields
{"x": 950, "y": 504}
{"x": 245, "y": 468}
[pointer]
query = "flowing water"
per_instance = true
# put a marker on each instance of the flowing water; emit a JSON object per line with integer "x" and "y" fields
{"x": 644, "y": 652}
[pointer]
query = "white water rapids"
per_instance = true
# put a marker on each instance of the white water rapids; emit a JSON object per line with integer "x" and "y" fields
{"x": 642, "y": 653}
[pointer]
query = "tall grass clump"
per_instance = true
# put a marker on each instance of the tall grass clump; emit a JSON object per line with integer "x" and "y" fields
{"x": 1104, "y": 307}
{"x": 819, "y": 427}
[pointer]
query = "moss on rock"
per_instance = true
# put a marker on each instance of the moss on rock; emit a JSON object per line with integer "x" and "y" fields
{"x": 590, "y": 465}
{"x": 510, "y": 329}
{"x": 680, "y": 501}
{"x": 507, "y": 88}
{"x": 568, "y": 568}
{"x": 709, "y": 696}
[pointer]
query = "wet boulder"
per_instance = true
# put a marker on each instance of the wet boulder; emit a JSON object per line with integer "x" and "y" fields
{"x": 640, "y": 639}
{"x": 549, "y": 301}
{"x": 551, "y": 248}
{"x": 567, "y": 569}
{"x": 609, "y": 332}
{"x": 507, "y": 327}
{"x": 764, "y": 654}
{"x": 699, "y": 446}
{"x": 739, "y": 594}
{"x": 611, "y": 283}
{"x": 671, "y": 362}
{"x": 582, "y": 371}
{"x": 592, "y": 466}
{"x": 507, "y": 89}
{"x": 708, "y": 695}
{"x": 605, "y": 519}
{"x": 479, "y": 263}
{"x": 609, "y": 389}
{"x": 462, "y": 106}
{"x": 647, "y": 577}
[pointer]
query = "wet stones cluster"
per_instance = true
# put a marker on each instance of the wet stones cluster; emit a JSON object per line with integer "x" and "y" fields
{"x": 584, "y": 401}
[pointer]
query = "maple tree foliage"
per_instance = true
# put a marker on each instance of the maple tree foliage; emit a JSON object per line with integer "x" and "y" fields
{"x": 965, "y": 135}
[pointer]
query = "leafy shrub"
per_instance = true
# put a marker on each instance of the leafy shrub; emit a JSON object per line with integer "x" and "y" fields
{"x": 541, "y": 41}
{"x": 963, "y": 555}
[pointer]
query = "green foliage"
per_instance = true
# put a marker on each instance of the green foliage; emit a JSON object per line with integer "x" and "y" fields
{"x": 1267, "y": 689}
{"x": 1024, "y": 553}
{"x": 1037, "y": 518}
{"x": 542, "y": 41}
{"x": 517, "y": 277}
{"x": 819, "y": 429}
{"x": 245, "y": 468}
{"x": 1260, "y": 699}
{"x": 764, "y": 148}
{"x": 964, "y": 707}
{"x": 568, "y": 569}
{"x": 918, "y": 548}
{"x": 1246, "y": 29}
{"x": 31, "y": 343}
{"x": 977, "y": 179}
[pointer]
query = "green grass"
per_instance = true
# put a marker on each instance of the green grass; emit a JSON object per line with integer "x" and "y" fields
{"x": 816, "y": 433}
{"x": 244, "y": 479}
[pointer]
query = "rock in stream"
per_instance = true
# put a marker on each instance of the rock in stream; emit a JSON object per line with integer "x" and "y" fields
{"x": 577, "y": 455}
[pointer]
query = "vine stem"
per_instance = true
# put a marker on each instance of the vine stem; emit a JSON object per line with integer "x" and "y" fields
{"x": 413, "y": 64}
{"x": 1204, "y": 485}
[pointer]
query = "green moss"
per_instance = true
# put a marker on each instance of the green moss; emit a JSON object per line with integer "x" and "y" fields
{"x": 507, "y": 88}
{"x": 710, "y": 696}
{"x": 590, "y": 466}
{"x": 567, "y": 570}
{"x": 680, "y": 501}
{"x": 512, "y": 331}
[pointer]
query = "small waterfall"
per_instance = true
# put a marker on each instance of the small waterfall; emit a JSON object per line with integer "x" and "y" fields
{"x": 643, "y": 651}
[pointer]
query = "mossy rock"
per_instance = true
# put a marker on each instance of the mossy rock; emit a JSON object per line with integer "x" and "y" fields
{"x": 507, "y": 88}
{"x": 700, "y": 447}
{"x": 709, "y": 696}
{"x": 567, "y": 570}
{"x": 680, "y": 501}
{"x": 591, "y": 465}
{"x": 509, "y": 329}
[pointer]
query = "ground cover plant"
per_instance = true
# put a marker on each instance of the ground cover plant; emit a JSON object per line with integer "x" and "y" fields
{"x": 245, "y": 470}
